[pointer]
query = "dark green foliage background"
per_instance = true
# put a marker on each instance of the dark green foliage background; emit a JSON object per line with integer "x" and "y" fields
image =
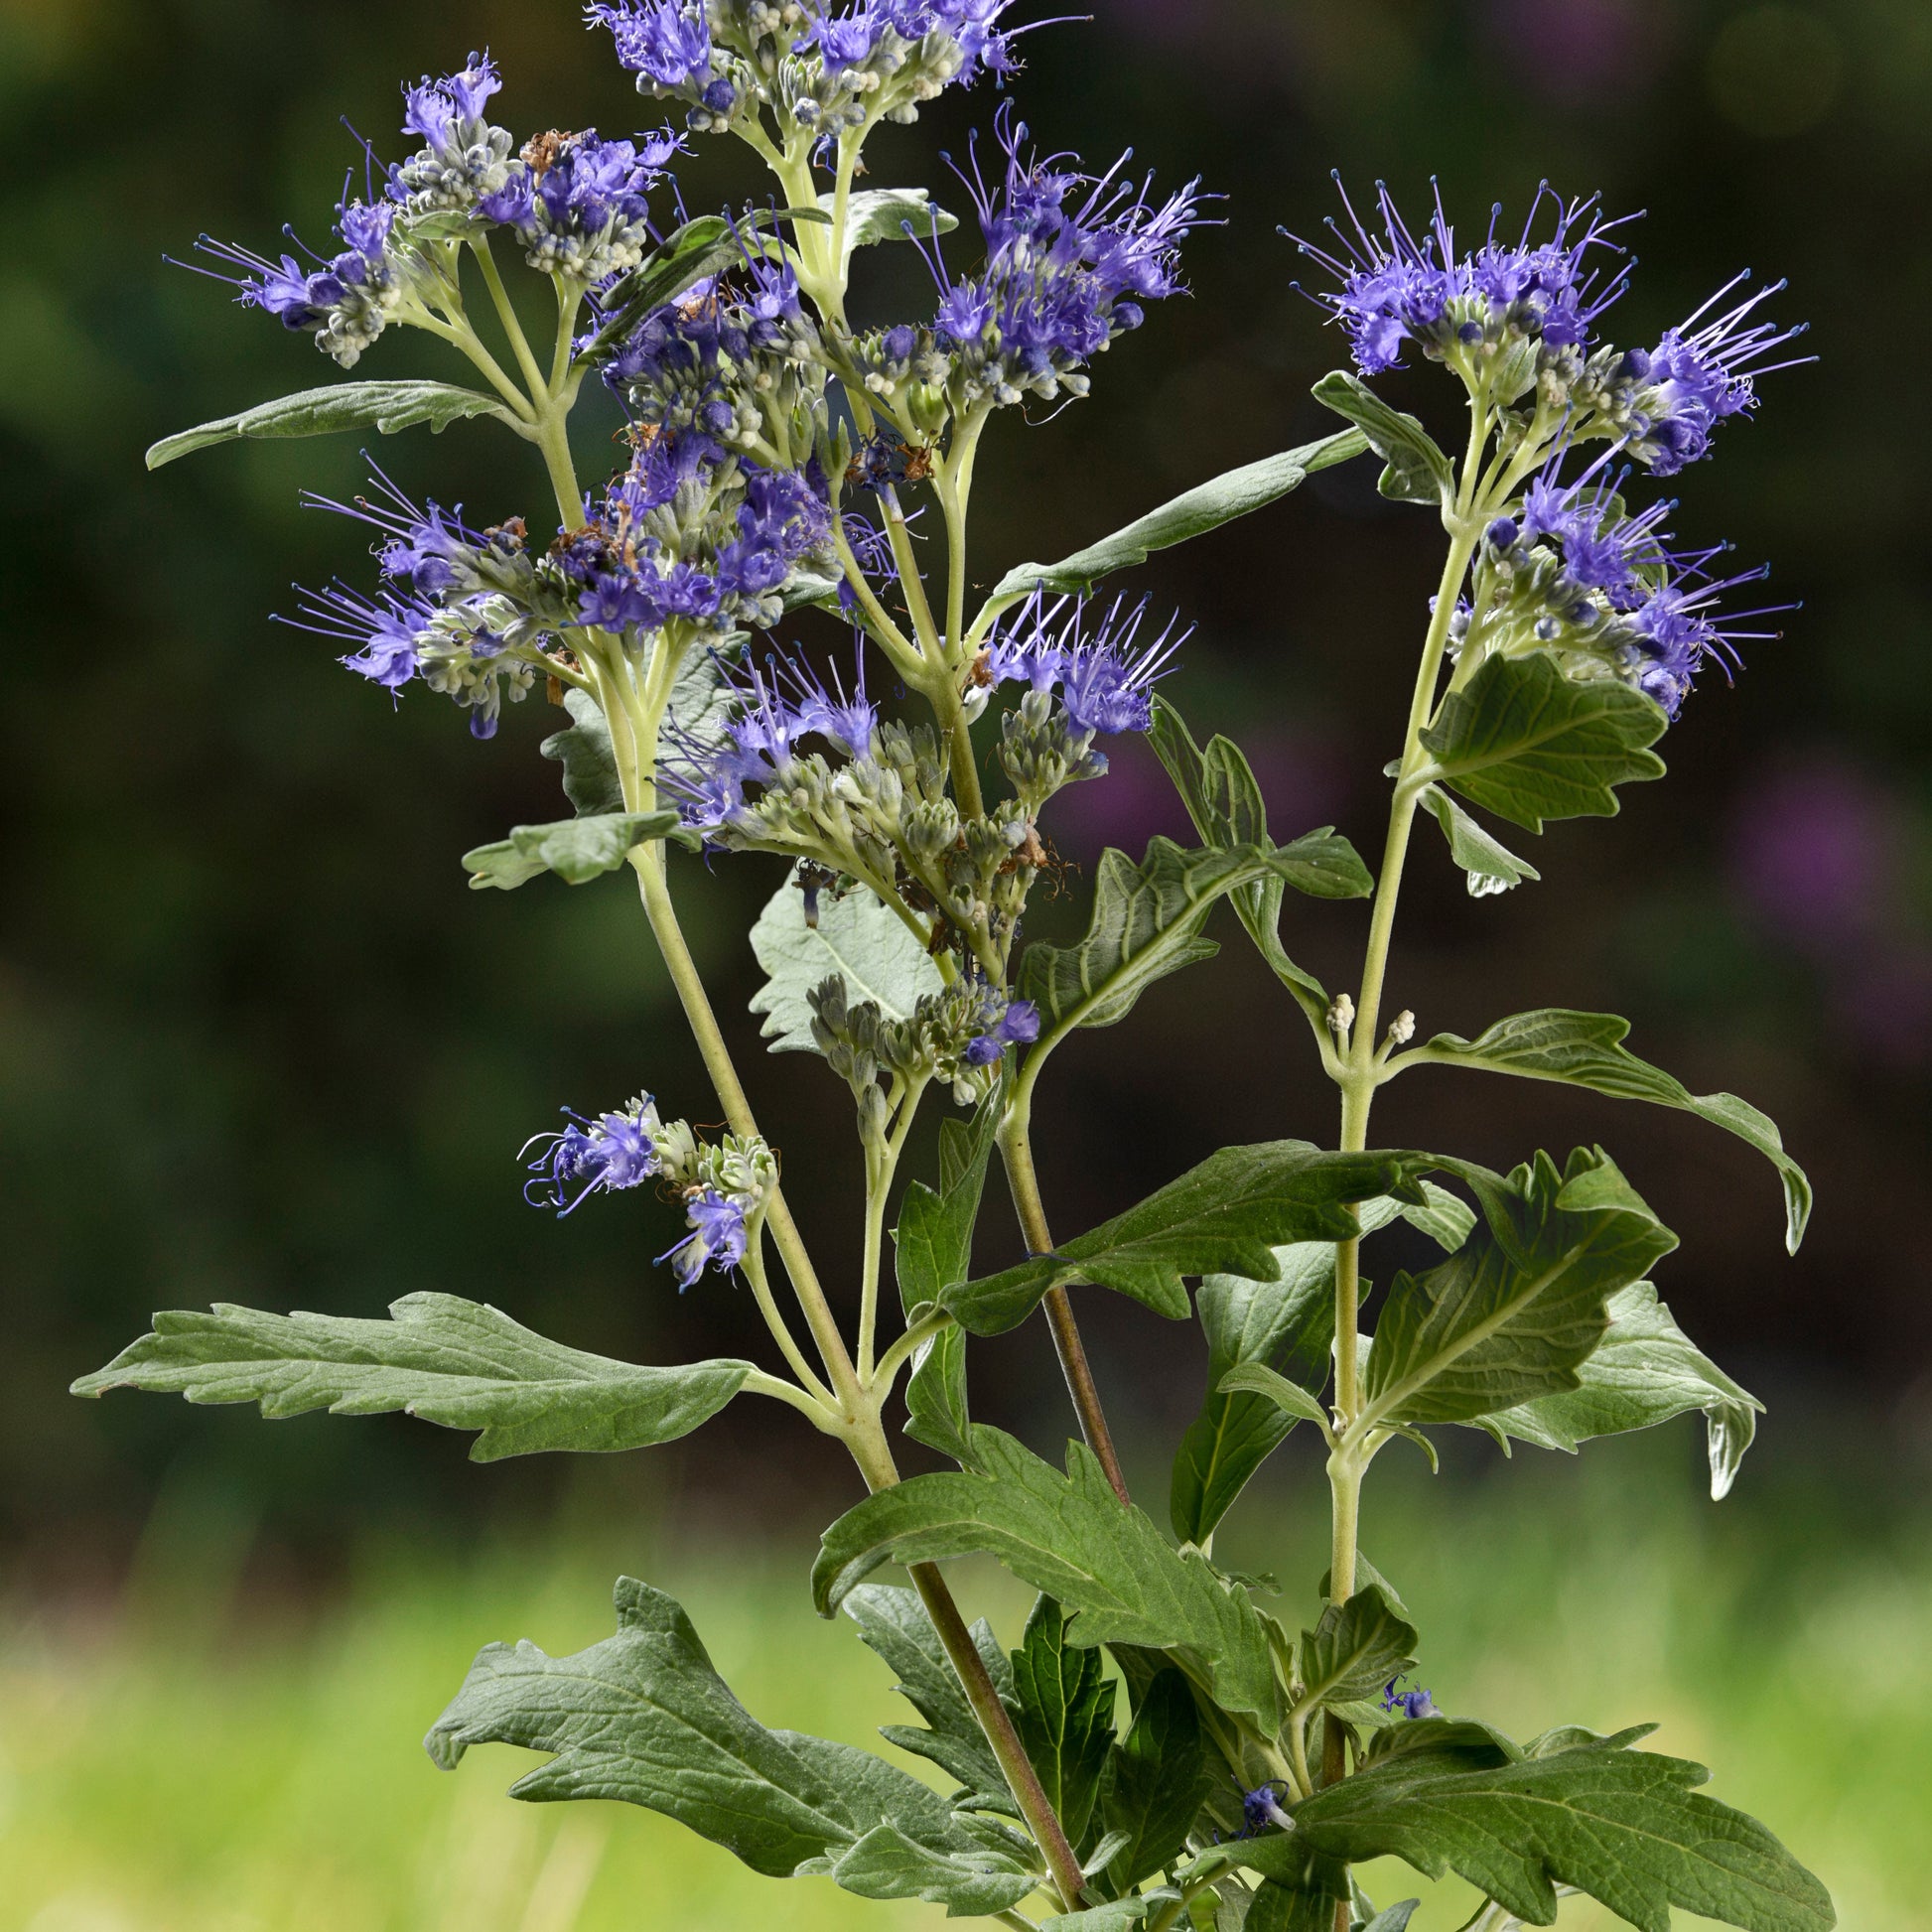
{"x": 259, "y": 1043}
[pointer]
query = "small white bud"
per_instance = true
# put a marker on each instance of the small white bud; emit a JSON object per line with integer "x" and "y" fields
{"x": 1402, "y": 1028}
{"x": 1341, "y": 1015}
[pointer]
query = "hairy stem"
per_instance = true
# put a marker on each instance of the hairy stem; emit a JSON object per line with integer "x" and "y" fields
{"x": 1017, "y": 1153}
{"x": 499, "y": 298}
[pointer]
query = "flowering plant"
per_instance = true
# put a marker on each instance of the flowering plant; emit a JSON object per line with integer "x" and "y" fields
{"x": 1162, "y": 1749}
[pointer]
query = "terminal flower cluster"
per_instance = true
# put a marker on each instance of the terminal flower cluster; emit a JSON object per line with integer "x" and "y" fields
{"x": 828, "y": 68}
{"x": 1071, "y": 261}
{"x": 957, "y": 1036}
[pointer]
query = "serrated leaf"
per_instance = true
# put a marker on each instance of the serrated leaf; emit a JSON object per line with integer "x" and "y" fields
{"x": 1647, "y": 1371}
{"x": 1512, "y": 1314}
{"x": 1287, "y": 1325}
{"x": 1586, "y": 1050}
{"x": 1156, "y": 1783}
{"x": 875, "y": 214}
{"x": 1528, "y": 744}
{"x": 1354, "y": 1650}
{"x": 1226, "y": 1215}
{"x": 645, "y": 1717}
{"x": 856, "y": 938}
{"x": 462, "y": 1364}
{"x": 1224, "y": 798}
{"x": 1440, "y": 1215}
{"x": 1205, "y": 507}
{"x": 1491, "y": 865}
{"x": 1623, "y": 1826}
{"x": 894, "y": 1624}
{"x": 1416, "y": 470}
{"x": 1071, "y": 1537}
{"x": 383, "y": 406}
{"x": 1147, "y": 919}
{"x": 575, "y": 849}
{"x": 1064, "y": 1712}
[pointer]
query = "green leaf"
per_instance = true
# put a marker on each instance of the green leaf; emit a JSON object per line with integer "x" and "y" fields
{"x": 459, "y": 1363}
{"x": 894, "y": 1624}
{"x": 1071, "y": 1537}
{"x": 1251, "y": 1378}
{"x": 936, "y": 1409}
{"x": 933, "y": 1241}
{"x": 1148, "y": 920}
{"x": 1205, "y": 507}
{"x": 1065, "y": 1714}
{"x": 1645, "y": 1371}
{"x": 1491, "y": 865}
{"x": 1440, "y": 1215}
{"x": 1528, "y": 744}
{"x": 575, "y": 849}
{"x": 877, "y": 215}
{"x": 590, "y": 763}
{"x": 1623, "y": 1826}
{"x": 383, "y": 406}
{"x": 1156, "y": 1781}
{"x": 1514, "y": 1313}
{"x": 1291, "y": 1908}
{"x": 645, "y": 1717}
{"x": 1228, "y": 1215}
{"x": 1287, "y": 1325}
{"x": 1354, "y": 1650}
{"x": 857, "y": 938}
{"x": 1586, "y": 1050}
{"x": 1120, "y": 1915}
{"x": 1224, "y": 798}
{"x": 1416, "y": 470}
{"x": 1394, "y": 1918}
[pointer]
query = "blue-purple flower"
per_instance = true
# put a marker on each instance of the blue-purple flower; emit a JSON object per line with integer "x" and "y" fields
{"x": 607, "y": 1155}
{"x": 1261, "y": 1811}
{"x": 463, "y": 158}
{"x": 581, "y": 205}
{"x": 1393, "y": 287}
{"x": 1104, "y": 676}
{"x": 718, "y": 1237}
{"x": 1071, "y": 260}
{"x": 1005, "y": 1024}
{"x": 1411, "y": 1704}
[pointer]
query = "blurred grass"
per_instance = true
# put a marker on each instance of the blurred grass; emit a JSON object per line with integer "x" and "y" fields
{"x": 200, "y": 1757}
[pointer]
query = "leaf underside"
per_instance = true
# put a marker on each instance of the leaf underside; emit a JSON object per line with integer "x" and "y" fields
{"x": 577, "y": 850}
{"x": 462, "y": 1364}
{"x": 383, "y": 406}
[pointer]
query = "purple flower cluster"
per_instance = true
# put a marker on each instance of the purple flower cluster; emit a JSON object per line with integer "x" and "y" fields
{"x": 721, "y": 355}
{"x": 1592, "y": 578}
{"x": 1394, "y": 288}
{"x": 1104, "y": 681}
{"x": 777, "y": 705}
{"x": 872, "y": 57}
{"x": 607, "y": 1155}
{"x": 1071, "y": 260}
{"x": 692, "y": 533}
{"x": 1261, "y": 1811}
{"x": 1003, "y": 1023}
{"x": 718, "y": 1237}
{"x": 580, "y": 205}
{"x": 464, "y": 155}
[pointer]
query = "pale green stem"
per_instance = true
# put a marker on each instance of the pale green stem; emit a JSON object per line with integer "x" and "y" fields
{"x": 905, "y": 1347}
{"x": 882, "y": 1164}
{"x": 820, "y": 1415}
{"x": 499, "y": 298}
{"x": 570, "y": 304}
{"x": 753, "y": 1267}
{"x": 924, "y": 626}
{"x": 955, "y": 486}
{"x": 460, "y": 336}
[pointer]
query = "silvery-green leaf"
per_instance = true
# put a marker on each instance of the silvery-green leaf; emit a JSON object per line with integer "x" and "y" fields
{"x": 1071, "y": 1537}
{"x": 383, "y": 406}
{"x": 1417, "y": 469}
{"x": 1205, "y": 507}
{"x": 1120, "y": 1915}
{"x": 875, "y": 214}
{"x": 858, "y": 938}
{"x": 1528, "y": 744}
{"x": 459, "y": 1363}
{"x": 1514, "y": 1313}
{"x": 1647, "y": 1371}
{"x": 575, "y": 849}
{"x": 645, "y": 1717}
{"x": 894, "y": 1624}
{"x": 1586, "y": 1050}
{"x": 1227, "y": 1215}
{"x": 701, "y": 698}
{"x": 1625, "y": 1827}
{"x": 1440, "y": 1215}
{"x": 1491, "y": 865}
{"x": 1255, "y": 1378}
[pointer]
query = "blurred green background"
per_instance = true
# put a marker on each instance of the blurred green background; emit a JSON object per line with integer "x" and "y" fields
{"x": 257, "y": 1042}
